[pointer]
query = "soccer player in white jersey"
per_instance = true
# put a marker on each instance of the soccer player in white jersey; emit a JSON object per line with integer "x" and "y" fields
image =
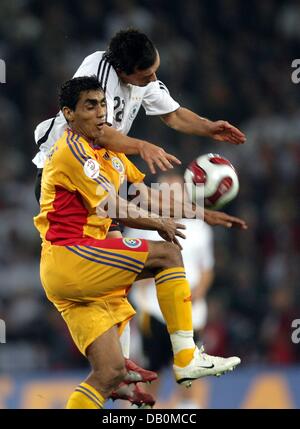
{"x": 127, "y": 72}
{"x": 198, "y": 257}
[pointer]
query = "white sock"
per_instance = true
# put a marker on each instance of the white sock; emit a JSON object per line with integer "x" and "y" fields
{"x": 182, "y": 340}
{"x": 125, "y": 341}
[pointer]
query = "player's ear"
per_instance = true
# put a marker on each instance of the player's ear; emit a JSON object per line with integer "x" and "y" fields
{"x": 68, "y": 114}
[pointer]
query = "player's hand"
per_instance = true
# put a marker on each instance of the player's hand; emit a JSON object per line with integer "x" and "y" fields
{"x": 170, "y": 229}
{"x": 215, "y": 218}
{"x": 156, "y": 156}
{"x": 225, "y": 132}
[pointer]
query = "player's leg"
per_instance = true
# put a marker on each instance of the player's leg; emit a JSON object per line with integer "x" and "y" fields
{"x": 195, "y": 396}
{"x": 82, "y": 291}
{"x": 125, "y": 339}
{"x": 129, "y": 390}
{"x": 156, "y": 347}
{"x": 89, "y": 290}
{"x": 108, "y": 370}
{"x": 174, "y": 297}
{"x": 134, "y": 372}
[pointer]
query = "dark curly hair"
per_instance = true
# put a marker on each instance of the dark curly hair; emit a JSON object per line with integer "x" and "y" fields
{"x": 131, "y": 50}
{"x": 70, "y": 90}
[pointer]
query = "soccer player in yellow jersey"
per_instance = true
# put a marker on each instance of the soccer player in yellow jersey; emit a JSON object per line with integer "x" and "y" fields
{"x": 86, "y": 275}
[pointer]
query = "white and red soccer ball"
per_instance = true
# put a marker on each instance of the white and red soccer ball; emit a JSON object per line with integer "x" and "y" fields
{"x": 217, "y": 175}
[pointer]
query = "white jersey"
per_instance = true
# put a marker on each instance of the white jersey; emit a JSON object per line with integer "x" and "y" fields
{"x": 123, "y": 103}
{"x": 198, "y": 256}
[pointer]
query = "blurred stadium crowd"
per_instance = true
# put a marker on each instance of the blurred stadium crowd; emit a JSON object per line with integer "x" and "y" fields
{"x": 223, "y": 59}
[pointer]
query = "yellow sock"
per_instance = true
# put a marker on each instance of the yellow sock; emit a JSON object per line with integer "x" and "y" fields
{"x": 174, "y": 297}
{"x": 85, "y": 397}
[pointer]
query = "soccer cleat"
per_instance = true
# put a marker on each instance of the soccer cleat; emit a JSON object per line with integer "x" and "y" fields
{"x": 134, "y": 394}
{"x": 203, "y": 365}
{"x": 136, "y": 374}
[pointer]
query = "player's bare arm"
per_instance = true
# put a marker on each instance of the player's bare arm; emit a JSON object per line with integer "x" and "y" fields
{"x": 134, "y": 217}
{"x": 168, "y": 229}
{"x": 215, "y": 218}
{"x": 188, "y": 122}
{"x": 156, "y": 202}
{"x": 153, "y": 155}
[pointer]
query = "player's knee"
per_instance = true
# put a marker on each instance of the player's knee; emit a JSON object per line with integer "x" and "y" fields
{"x": 173, "y": 256}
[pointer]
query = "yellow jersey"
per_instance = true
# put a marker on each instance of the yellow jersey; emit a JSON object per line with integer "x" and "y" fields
{"x": 76, "y": 178}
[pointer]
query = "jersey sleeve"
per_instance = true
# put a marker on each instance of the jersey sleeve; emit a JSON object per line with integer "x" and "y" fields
{"x": 46, "y": 134}
{"x": 82, "y": 172}
{"x": 89, "y": 65}
{"x": 134, "y": 175}
{"x": 157, "y": 99}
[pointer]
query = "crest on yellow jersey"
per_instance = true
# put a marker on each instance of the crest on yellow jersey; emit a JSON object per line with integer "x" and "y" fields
{"x": 118, "y": 164}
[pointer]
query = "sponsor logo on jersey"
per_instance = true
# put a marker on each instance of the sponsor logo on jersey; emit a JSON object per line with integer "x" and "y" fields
{"x": 91, "y": 168}
{"x": 118, "y": 164}
{"x": 133, "y": 243}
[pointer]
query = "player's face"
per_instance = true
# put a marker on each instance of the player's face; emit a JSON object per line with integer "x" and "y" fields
{"x": 142, "y": 77}
{"x": 89, "y": 116}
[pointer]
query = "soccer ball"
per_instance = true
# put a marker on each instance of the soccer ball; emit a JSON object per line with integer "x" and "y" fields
{"x": 217, "y": 175}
